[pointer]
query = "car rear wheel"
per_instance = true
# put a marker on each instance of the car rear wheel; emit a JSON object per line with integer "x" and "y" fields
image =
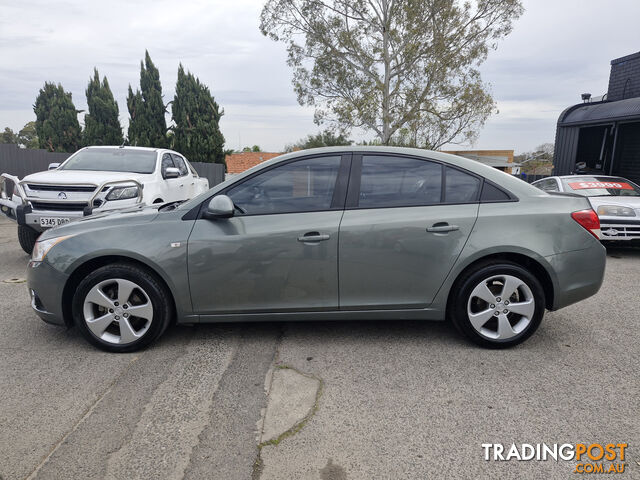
{"x": 27, "y": 237}
{"x": 498, "y": 305}
{"x": 121, "y": 308}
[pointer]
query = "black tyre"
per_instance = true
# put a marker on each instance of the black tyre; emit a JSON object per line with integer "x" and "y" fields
{"x": 122, "y": 307}
{"x": 497, "y": 305}
{"x": 27, "y": 237}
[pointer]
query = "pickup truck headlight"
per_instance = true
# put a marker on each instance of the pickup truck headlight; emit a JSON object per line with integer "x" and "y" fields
{"x": 616, "y": 211}
{"x": 42, "y": 247}
{"x": 123, "y": 193}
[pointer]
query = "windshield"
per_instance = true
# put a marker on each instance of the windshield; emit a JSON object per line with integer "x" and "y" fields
{"x": 601, "y": 187}
{"x": 112, "y": 160}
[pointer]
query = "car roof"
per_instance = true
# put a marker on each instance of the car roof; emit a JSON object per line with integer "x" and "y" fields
{"x": 126, "y": 147}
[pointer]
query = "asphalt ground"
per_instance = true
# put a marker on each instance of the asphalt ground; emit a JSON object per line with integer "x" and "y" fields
{"x": 388, "y": 400}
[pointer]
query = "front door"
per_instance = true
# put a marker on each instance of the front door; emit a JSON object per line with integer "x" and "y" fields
{"x": 280, "y": 251}
{"x": 405, "y": 224}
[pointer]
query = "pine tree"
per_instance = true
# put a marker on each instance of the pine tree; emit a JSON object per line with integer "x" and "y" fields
{"x": 101, "y": 124}
{"x": 196, "y": 115}
{"x": 56, "y": 119}
{"x": 147, "y": 126}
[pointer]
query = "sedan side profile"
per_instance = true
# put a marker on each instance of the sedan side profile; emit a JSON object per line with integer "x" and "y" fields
{"x": 327, "y": 234}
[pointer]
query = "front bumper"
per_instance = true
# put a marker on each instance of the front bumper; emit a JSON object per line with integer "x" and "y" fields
{"x": 39, "y": 211}
{"x": 46, "y": 286}
{"x": 619, "y": 229}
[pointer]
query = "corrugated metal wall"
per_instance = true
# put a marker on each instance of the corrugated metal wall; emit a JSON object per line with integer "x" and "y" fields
{"x": 566, "y": 147}
{"x": 21, "y": 161}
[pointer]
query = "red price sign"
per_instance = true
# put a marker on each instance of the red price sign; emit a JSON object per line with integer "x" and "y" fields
{"x": 587, "y": 185}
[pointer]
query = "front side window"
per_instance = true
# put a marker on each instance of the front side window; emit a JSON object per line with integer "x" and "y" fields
{"x": 167, "y": 162}
{"x": 180, "y": 165}
{"x": 399, "y": 182}
{"x": 301, "y": 186}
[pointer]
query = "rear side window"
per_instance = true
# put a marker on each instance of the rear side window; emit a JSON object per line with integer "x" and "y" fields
{"x": 399, "y": 182}
{"x": 493, "y": 194}
{"x": 461, "y": 187}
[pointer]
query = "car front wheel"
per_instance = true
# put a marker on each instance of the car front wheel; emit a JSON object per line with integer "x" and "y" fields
{"x": 121, "y": 308}
{"x": 498, "y": 305}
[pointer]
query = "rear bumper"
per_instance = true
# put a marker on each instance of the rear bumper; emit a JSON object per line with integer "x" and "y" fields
{"x": 46, "y": 285}
{"x": 579, "y": 274}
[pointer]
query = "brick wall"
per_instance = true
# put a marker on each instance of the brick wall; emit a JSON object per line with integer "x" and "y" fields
{"x": 624, "y": 79}
{"x": 239, "y": 162}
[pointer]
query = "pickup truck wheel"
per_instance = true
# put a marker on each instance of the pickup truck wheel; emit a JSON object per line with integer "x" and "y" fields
{"x": 497, "y": 305}
{"x": 27, "y": 237}
{"x": 121, "y": 308}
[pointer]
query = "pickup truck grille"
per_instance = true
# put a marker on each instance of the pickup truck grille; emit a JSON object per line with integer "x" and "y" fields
{"x": 61, "y": 188}
{"x": 59, "y": 206}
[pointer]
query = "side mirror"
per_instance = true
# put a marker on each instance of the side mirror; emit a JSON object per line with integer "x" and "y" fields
{"x": 171, "y": 172}
{"x": 53, "y": 166}
{"x": 219, "y": 206}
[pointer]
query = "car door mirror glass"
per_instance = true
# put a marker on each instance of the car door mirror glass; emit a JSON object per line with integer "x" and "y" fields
{"x": 171, "y": 172}
{"x": 220, "y": 206}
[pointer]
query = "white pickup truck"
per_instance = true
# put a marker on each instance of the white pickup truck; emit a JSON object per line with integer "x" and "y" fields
{"x": 96, "y": 180}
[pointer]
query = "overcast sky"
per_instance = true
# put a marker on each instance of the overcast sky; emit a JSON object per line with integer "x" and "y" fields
{"x": 558, "y": 49}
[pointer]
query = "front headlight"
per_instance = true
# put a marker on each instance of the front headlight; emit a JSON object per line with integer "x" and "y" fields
{"x": 615, "y": 211}
{"x": 123, "y": 193}
{"x": 42, "y": 247}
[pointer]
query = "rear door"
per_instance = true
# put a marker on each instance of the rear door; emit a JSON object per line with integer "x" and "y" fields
{"x": 405, "y": 224}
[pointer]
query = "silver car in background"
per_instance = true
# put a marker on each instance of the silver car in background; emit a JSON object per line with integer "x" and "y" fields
{"x": 616, "y": 200}
{"x": 327, "y": 234}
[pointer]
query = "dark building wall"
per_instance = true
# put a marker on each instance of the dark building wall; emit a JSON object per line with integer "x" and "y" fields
{"x": 566, "y": 147}
{"x": 624, "y": 79}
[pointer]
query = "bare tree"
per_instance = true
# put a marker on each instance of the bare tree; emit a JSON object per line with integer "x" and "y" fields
{"x": 404, "y": 69}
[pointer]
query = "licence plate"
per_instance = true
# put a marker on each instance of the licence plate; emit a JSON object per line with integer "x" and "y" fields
{"x": 48, "y": 222}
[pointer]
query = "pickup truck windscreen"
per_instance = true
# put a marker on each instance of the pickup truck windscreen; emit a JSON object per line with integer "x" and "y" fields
{"x": 112, "y": 160}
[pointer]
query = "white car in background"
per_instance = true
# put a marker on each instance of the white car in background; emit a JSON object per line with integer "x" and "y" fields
{"x": 95, "y": 180}
{"x": 616, "y": 200}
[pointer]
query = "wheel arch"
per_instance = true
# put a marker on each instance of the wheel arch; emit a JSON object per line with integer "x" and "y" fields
{"x": 92, "y": 264}
{"x": 525, "y": 261}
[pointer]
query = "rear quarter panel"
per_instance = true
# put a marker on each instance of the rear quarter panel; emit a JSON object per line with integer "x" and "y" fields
{"x": 541, "y": 228}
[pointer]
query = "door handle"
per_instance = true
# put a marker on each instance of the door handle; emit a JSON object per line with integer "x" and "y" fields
{"x": 313, "y": 237}
{"x": 442, "y": 227}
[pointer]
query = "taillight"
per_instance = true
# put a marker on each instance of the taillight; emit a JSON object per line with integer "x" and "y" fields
{"x": 589, "y": 220}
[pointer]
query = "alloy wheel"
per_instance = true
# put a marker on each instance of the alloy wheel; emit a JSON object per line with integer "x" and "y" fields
{"x": 117, "y": 311}
{"x": 501, "y": 307}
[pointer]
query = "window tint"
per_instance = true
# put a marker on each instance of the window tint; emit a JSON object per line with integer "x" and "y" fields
{"x": 394, "y": 181}
{"x": 493, "y": 194}
{"x": 302, "y": 186}
{"x": 166, "y": 162}
{"x": 180, "y": 165}
{"x": 461, "y": 187}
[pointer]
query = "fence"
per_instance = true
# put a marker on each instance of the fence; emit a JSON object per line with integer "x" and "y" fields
{"x": 22, "y": 161}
